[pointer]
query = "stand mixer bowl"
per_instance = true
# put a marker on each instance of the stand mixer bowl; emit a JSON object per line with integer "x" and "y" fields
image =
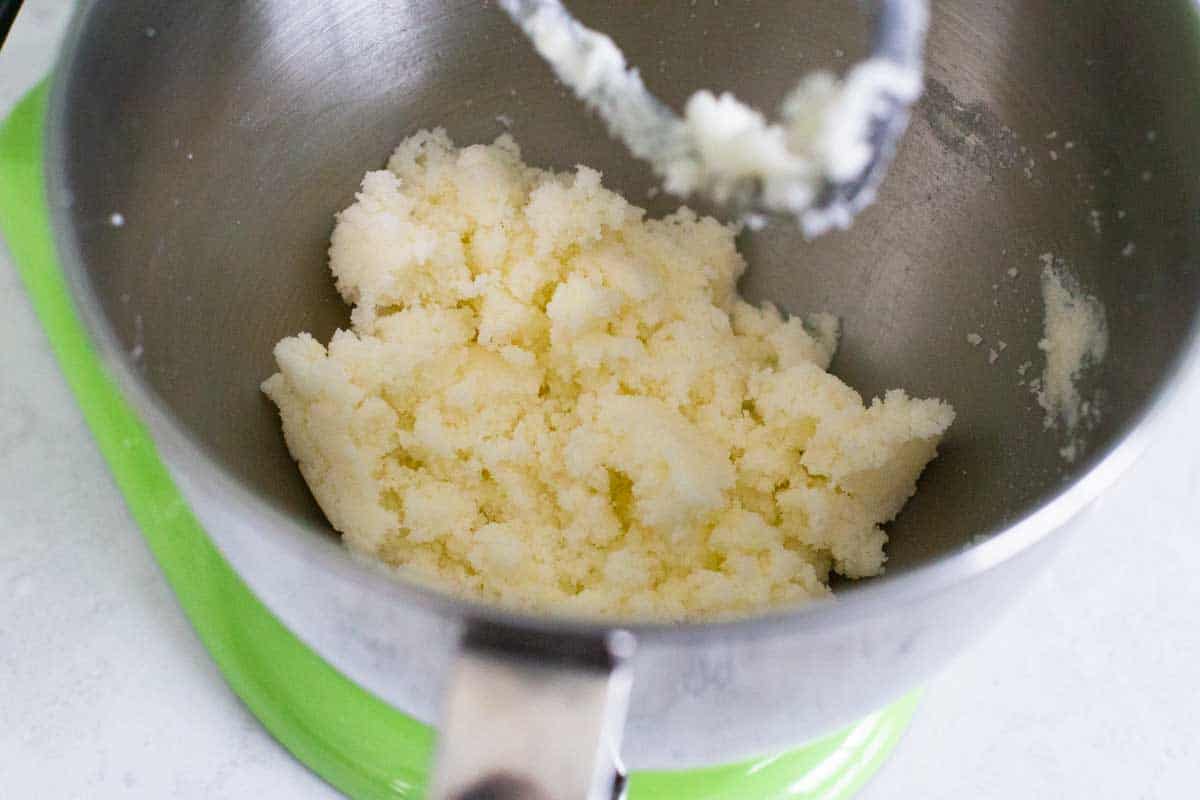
{"x": 228, "y": 139}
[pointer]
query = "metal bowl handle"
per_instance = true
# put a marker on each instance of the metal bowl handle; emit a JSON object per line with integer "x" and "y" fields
{"x": 533, "y": 716}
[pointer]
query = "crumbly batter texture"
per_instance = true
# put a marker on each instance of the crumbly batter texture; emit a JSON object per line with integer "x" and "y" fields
{"x": 548, "y": 401}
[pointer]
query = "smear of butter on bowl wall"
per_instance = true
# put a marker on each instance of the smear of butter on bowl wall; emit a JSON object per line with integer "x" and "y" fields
{"x": 1075, "y": 338}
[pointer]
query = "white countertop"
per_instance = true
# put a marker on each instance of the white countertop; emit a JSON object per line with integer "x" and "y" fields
{"x": 1087, "y": 689}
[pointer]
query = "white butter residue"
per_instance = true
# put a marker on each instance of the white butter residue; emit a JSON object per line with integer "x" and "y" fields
{"x": 824, "y": 135}
{"x": 1075, "y": 338}
{"x": 721, "y": 146}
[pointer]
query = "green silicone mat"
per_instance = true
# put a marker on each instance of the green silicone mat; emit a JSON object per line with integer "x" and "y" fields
{"x": 359, "y": 744}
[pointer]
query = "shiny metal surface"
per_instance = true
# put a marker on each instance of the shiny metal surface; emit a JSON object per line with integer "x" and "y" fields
{"x": 533, "y": 718}
{"x": 228, "y": 140}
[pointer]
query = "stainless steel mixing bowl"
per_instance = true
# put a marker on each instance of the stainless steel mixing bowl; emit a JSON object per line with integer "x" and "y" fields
{"x": 228, "y": 139}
